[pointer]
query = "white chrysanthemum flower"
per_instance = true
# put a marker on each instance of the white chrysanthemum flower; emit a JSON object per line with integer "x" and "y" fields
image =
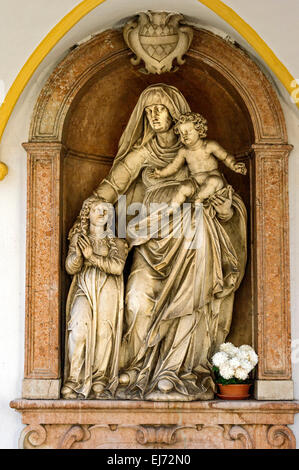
{"x": 246, "y": 365}
{"x": 241, "y": 373}
{"x": 242, "y": 355}
{"x": 249, "y": 356}
{"x": 226, "y": 371}
{"x": 245, "y": 347}
{"x": 219, "y": 358}
{"x": 234, "y": 362}
{"x": 248, "y": 353}
{"x": 229, "y": 349}
{"x": 253, "y": 358}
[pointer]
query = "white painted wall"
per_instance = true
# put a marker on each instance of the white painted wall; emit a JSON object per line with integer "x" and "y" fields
{"x": 22, "y": 26}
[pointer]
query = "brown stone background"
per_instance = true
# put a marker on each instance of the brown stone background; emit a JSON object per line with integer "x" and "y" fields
{"x": 98, "y": 117}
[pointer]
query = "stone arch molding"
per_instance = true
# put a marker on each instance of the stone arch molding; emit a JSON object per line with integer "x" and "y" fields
{"x": 84, "y": 62}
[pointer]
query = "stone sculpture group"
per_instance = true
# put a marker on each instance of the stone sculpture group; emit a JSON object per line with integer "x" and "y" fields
{"x": 152, "y": 336}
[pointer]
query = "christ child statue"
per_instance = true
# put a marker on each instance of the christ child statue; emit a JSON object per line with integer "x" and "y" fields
{"x": 201, "y": 157}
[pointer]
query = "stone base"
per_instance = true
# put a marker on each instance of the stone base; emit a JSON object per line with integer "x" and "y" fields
{"x": 48, "y": 389}
{"x": 274, "y": 390}
{"x": 216, "y": 424}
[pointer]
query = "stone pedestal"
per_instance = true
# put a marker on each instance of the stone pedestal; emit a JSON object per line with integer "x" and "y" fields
{"x": 274, "y": 390}
{"x": 217, "y": 424}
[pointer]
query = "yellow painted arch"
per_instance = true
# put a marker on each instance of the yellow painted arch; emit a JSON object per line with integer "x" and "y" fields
{"x": 86, "y": 6}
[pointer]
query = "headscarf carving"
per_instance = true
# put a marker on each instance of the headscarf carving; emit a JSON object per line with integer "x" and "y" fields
{"x": 138, "y": 131}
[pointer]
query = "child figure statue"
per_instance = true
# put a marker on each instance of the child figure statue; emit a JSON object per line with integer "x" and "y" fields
{"x": 95, "y": 304}
{"x": 201, "y": 157}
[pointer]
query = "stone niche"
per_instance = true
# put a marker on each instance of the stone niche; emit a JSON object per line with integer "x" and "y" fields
{"x": 76, "y": 125}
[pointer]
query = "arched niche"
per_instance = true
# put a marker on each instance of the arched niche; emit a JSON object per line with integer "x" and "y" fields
{"x": 76, "y": 125}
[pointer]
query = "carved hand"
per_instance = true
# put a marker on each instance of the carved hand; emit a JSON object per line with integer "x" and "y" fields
{"x": 222, "y": 204}
{"x": 85, "y": 246}
{"x": 78, "y": 251}
{"x": 240, "y": 168}
{"x": 155, "y": 173}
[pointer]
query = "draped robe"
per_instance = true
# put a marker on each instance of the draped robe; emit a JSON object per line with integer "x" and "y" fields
{"x": 180, "y": 291}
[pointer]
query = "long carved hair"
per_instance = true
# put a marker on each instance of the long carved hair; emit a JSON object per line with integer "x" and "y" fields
{"x": 81, "y": 226}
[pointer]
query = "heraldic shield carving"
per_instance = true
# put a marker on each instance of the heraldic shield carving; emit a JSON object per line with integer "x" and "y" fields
{"x": 158, "y": 38}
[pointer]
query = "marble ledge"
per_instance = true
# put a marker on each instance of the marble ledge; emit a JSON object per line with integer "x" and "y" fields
{"x": 26, "y": 404}
{"x": 145, "y": 412}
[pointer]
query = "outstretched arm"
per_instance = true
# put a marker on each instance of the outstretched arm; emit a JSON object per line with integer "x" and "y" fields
{"x": 173, "y": 167}
{"x": 121, "y": 175}
{"x": 228, "y": 160}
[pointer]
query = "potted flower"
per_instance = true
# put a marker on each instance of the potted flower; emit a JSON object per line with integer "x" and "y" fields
{"x": 231, "y": 367}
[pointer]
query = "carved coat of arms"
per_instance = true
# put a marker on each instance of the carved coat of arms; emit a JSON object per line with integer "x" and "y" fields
{"x": 158, "y": 39}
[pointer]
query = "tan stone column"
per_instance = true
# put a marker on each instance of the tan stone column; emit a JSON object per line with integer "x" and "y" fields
{"x": 271, "y": 248}
{"x": 42, "y": 375}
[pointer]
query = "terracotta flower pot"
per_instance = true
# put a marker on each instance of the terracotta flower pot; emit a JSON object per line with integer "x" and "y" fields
{"x": 234, "y": 391}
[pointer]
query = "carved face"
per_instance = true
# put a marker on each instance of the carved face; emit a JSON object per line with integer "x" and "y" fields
{"x": 189, "y": 135}
{"x": 159, "y": 118}
{"x": 98, "y": 214}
